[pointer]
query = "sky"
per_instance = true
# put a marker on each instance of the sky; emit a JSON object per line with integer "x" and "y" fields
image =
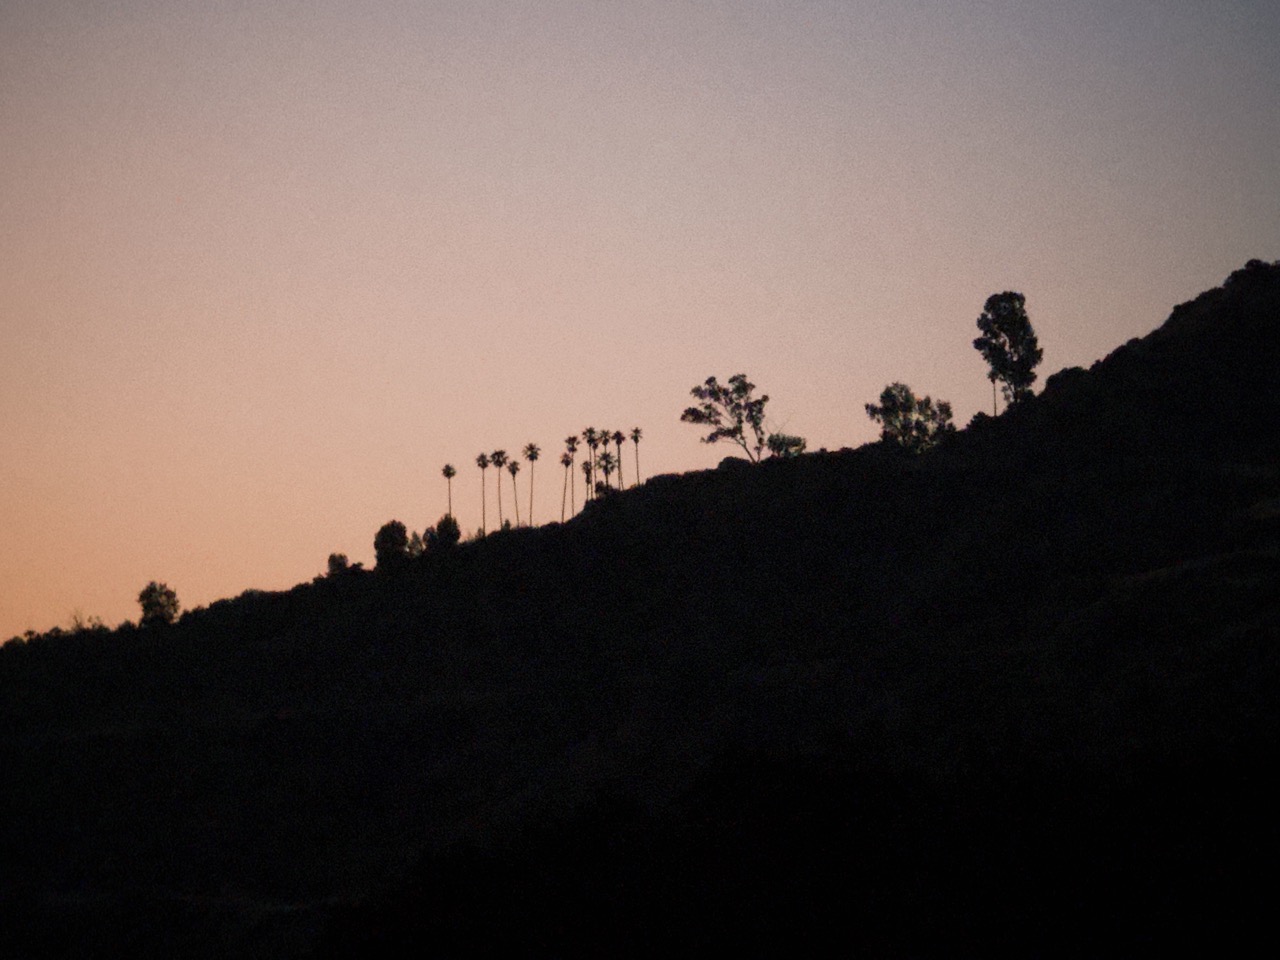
{"x": 266, "y": 267}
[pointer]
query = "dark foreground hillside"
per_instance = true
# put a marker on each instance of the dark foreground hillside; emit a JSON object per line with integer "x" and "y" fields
{"x": 1015, "y": 695}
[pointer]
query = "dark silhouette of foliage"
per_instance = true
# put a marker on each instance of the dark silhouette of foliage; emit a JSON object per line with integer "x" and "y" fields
{"x": 785, "y": 445}
{"x": 729, "y": 410}
{"x": 159, "y": 604}
{"x": 531, "y": 453}
{"x": 591, "y": 437}
{"x": 911, "y": 423}
{"x": 338, "y": 564}
{"x": 618, "y": 439}
{"x": 513, "y": 468}
{"x": 566, "y": 461}
{"x": 445, "y": 535}
{"x": 636, "y": 434}
{"x": 482, "y": 462}
{"x": 1008, "y": 344}
{"x": 417, "y": 545}
{"x": 449, "y": 473}
{"x": 499, "y": 459}
{"x": 570, "y": 448}
{"x": 391, "y": 545}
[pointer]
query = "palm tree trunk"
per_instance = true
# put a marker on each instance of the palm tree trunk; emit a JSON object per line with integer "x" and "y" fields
{"x": 483, "y": 516}
{"x": 515, "y": 499}
{"x": 499, "y": 498}
{"x": 564, "y": 493}
{"x": 531, "y": 493}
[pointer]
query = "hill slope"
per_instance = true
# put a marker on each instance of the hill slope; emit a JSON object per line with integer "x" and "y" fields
{"x": 1018, "y": 690}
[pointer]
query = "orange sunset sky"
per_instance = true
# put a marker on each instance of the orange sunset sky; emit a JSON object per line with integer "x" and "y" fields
{"x": 266, "y": 267}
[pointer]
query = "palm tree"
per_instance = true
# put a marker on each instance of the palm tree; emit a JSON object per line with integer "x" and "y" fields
{"x": 449, "y": 474}
{"x": 499, "y": 459}
{"x": 635, "y": 438}
{"x": 571, "y": 448}
{"x": 482, "y": 462}
{"x": 566, "y": 461}
{"x": 513, "y": 468}
{"x": 592, "y": 440}
{"x": 618, "y": 438}
{"x": 606, "y": 464}
{"x": 531, "y": 453}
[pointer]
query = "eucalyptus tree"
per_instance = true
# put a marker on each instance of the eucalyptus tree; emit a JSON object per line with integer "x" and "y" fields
{"x": 449, "y": 473}
{"x": 913, "y": 424}
{"x": 499, "y": 459}
{"x": 531, "y": 453}
{"x": 513, "y": 467}
{"x": 566, "y": 461}
{"x": 728, "y": 409}
{"x": 482, "y": 462}
{"x": 635, "y": 438}
{"x": 1009, "y": 345}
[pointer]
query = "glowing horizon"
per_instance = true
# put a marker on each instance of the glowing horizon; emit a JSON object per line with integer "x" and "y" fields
{"x": 267, "y": 271}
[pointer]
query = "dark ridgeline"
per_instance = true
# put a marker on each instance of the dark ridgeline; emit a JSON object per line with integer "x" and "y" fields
{"x": 1015, "y": 694}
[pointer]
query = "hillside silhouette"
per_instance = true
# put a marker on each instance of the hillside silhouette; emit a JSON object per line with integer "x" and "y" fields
{"x": 1015, "y": 694}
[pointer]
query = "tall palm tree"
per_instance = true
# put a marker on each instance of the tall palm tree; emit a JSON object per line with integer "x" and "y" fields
{"x": 531, "y": 453}
{"x": 449, "y": 474}
{"x": 499, "y": 459}
{"x": 635, "y": 438}
{"x": 618, "y": 438}
{"x": 571, "y": 448}
{"x": 482, "y": 462}
{"x": 606, "y": 464}
{"x": 592, "y": 440}
{"x": 566, "y": 461}
{"x": 513, "y": 468}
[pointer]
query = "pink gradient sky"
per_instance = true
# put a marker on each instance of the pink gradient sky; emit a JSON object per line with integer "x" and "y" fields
{"x": 266, "y": 267}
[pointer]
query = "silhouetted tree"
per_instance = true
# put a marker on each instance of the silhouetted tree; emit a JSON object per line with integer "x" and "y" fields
{"x": 606, "y": 464}
{"x": 391, "y": 545}
{"x": 1008, "y": 344}
{"x": 915, "y": 425}
{"x": 566, "y": 461}
{"x": 338, "y": 564}
{"x": 635, "y": 438}
{"x": 785, "y": 445}
{"x": 159, "y": 604}
{"x": 531, "y": 453}
{"x": 592, "y": 439}
{"x": 499, "y": 459}
{"x": 449, "y": 474}
{"x": 444, "y": 535}
{"x": 417, "y": 546}
{"x": 729, "y": 410}
{"x": 513, "y": 467}
{"x": 482, "y": 462}
{"x": 587, "y": 473}
{"x": 571, "y": 448}
{"x": 619, "y": 438}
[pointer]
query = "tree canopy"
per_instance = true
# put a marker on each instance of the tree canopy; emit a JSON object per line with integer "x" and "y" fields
{"x": 1008, "y": 344}
{"x": 159, "y": 604}
{"x": 729, "y": 409}
{"x": 911, "y": 423}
